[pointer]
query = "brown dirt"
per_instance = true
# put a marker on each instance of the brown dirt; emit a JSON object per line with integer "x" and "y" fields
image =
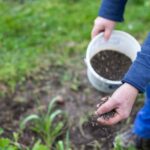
{"x": 110, "y": 64}
{"x": 75, "y": 95}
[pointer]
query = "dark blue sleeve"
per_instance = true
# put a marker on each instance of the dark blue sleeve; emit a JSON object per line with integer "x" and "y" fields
{"x": 138, "y": 74}
{"x": 112, "y": 9}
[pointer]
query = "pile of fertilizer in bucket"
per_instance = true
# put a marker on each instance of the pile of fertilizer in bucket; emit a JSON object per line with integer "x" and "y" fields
{"x": 111, "y": 64}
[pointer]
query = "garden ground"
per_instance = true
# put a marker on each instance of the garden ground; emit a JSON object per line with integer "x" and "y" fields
{"x": 74, "y": 95}
{"x": 42, "y": 45}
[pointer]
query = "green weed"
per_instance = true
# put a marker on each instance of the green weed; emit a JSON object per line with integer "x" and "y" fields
{"x": 64, "y": 145}
{"x": 1, "y": 130}
{"x": 13, "y": 144}
{"x": 9, "y": 144}
{"x": 118, "y": 145}
{"x": 47, "y": 125}
{"x": 39, "y": 146}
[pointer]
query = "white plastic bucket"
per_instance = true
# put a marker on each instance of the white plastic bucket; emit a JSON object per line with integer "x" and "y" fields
{"x": 119, "y": 41}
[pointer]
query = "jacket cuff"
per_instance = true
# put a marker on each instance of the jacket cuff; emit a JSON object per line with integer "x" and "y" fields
{"x": 139, "y": 88}
{"x": 112, "y": 9}
{"x": 138, "y": 74}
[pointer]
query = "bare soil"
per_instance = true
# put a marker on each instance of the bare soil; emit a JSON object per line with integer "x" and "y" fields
{"x": 110, "y": 64}
{"x": 75, "y": 95}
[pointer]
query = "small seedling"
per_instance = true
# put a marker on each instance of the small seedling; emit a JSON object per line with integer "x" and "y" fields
{"x": 48, "y": 126}
{"x": 118, "y": 145}
{"x": 39, "y": 146}
{"x": 1, "y": 131}
{"x": 8, "y": 144}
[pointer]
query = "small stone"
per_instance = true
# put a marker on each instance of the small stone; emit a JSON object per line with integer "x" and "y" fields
{"x": 60, "y": 100}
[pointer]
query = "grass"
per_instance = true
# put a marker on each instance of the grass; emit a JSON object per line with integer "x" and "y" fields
{"x": 38, "y": 33}
{"x": 36, "y": 30}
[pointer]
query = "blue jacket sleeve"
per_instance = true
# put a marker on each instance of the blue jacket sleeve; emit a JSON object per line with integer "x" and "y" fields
{"x": 112, "y": 9}
{"x": 138, "y": 74}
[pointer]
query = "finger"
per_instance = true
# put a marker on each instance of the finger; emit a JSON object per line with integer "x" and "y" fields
{"x": 110, "y": 121}
{"x": 98, "y": 105}
{"x": 102, "y": 101}
{"x": 105, "y": 98}
{"x": 107, "y": 33}
{"x": 106, "y": 107}
{"x": 96, "y": 30}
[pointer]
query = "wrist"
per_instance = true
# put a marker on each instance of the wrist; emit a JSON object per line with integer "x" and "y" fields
{"x": 131, "y": 88}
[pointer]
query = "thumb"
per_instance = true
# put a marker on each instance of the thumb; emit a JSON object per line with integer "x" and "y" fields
{"x": 107, "y": 33}
{"x": 106, "y": 107}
